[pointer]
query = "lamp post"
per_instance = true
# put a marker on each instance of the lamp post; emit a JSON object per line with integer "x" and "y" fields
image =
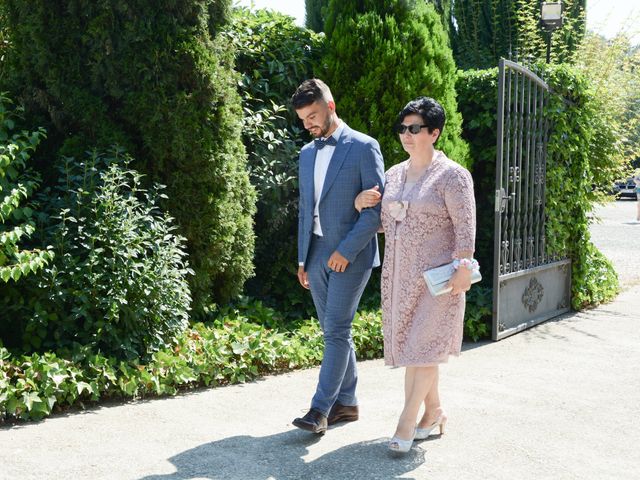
{"x": 551, "y": 19}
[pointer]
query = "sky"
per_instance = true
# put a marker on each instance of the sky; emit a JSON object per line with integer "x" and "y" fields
{"x": 607, "y": 17}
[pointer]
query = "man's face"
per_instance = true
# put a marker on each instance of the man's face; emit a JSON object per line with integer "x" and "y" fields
{"x": 317, "y": 118}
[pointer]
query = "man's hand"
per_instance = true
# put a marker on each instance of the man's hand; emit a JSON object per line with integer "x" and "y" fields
{"x": 302, "y": 277}
{"x": 337, "y": 262}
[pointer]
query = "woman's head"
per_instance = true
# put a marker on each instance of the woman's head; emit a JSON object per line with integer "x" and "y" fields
{"x": 420, "y": 124}
{"x": 430, "y": 111}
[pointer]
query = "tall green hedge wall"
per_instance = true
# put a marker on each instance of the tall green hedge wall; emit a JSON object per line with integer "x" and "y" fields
{"x": 482, "y": 31}
{"x": 157, "y": 78}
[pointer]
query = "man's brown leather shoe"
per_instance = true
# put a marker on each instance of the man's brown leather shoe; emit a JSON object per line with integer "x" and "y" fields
{"x": 313, "y": 421}
{"x": 342, "y": 413}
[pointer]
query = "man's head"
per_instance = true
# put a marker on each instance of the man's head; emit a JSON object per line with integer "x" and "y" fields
{"x": 314, "y": 105}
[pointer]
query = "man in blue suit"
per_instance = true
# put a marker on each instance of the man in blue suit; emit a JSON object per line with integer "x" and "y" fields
{"x": 337, "y": 246}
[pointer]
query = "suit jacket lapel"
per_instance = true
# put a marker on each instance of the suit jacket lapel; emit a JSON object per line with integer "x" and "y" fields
{"x": 308, "y": 177}
{"x": 339, "y": 154}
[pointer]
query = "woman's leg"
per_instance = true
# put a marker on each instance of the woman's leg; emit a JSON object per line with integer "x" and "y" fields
{"x": 418, "y": 382}
{"x": 432, "y": 409}
{"x": 409, "y": 375}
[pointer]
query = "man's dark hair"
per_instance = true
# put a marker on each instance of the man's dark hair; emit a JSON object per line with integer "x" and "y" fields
{"x": 311, "y": 91}
{"x": 430, "y": 110}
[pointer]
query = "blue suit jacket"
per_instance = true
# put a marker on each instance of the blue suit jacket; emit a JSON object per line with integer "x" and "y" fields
{"x": 356, "y": 165}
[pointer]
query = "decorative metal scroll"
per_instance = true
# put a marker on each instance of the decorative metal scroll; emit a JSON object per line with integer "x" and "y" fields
{"x": 530, "y": 284}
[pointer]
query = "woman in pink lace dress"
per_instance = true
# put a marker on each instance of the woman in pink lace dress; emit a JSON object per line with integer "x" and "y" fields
{"x": 428, "y": 217}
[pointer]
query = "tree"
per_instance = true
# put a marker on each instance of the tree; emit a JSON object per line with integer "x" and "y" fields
{"x": 484, "y": 30}
{"x": 156, "y": 78}
{"x": 444, "y": 9}
{"x": 314, "y": 19}
{"x": 380, "y": 55}
{"x": 613, "y": 66}
{"x": 313, "y": 14}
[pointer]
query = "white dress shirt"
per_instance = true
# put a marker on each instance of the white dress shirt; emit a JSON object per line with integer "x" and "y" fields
{"x": 323, "y": 158}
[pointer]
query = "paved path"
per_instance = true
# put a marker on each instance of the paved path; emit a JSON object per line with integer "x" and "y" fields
{"x": 559, "y": 401}
{"x": 617, "y": 235}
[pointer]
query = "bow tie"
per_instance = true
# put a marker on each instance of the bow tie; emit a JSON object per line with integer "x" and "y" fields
{"x": 320, "y": 143}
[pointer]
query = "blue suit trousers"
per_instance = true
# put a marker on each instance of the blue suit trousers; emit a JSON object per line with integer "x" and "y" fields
{"x": 336, "y": 297}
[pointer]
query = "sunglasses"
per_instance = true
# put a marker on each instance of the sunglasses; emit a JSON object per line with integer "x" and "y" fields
{"x": 414, "y": 129}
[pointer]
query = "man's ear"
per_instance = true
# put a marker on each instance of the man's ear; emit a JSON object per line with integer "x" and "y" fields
{"x": 332, "y": 105}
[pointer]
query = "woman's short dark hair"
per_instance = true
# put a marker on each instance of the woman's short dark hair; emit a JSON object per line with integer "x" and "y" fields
{"x": 311, "y": 91}
{"x": 430, "y": 110}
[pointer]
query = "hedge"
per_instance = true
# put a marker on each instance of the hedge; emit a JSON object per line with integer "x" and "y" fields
{"x": 382, "y": 54}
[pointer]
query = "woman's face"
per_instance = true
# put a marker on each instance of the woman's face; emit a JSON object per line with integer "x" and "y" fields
{"x": 417, "y": 142}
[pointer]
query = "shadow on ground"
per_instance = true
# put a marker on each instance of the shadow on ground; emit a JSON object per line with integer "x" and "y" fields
{"x": 280, "y": 456}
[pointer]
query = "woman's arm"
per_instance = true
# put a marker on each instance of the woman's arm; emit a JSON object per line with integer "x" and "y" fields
{"x": 461, "y": 205}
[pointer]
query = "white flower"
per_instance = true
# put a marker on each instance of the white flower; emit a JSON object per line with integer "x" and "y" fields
{"x": 398, "y": 209}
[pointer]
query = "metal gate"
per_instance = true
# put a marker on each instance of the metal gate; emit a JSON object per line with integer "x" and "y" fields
{"x": 530, "y": 285}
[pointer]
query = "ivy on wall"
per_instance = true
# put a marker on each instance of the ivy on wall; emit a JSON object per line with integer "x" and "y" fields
{"x": 583, "y": 162}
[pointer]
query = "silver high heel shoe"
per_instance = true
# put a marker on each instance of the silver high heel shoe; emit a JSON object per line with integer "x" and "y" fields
{"x": 401, "y": 446}
{"x": 422, "y": 433}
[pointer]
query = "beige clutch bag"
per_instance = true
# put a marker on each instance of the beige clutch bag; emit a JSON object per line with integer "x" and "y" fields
{"x": 437, "y": 278}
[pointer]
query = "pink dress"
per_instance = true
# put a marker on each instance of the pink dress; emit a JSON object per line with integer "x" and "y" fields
{"x": 437, "y": 220}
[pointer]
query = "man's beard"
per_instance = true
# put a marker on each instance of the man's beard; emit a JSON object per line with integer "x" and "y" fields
{"x": 328, "y": 123}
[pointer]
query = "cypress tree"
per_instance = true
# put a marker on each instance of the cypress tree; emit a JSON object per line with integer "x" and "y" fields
{"x": 313, "y": 14}
{"x": 155, "y": 77}
{"x": 380, "y": 55}
{"x": 444, "y": 9}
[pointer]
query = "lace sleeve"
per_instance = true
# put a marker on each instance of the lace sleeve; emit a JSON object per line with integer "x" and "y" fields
{"x": 461, "y": 205}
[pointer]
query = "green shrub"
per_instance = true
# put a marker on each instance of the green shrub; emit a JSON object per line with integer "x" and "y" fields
{"x": 586, "y": 156}
{"x": 478, "y": 97}
{"x": 119, "y": 280}
{"x": 313, "y": 18}
{"x": 157, "y": 78}
{"x": 380, "y": 55}
{"x": 232, "y": 350}
{"x": 17, "y": 184}
{"x": 478, "y": 313}
{"x": 274, "y": 57}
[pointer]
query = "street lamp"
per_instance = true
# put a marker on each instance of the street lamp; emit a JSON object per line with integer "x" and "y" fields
{"x": 551, "y": 19}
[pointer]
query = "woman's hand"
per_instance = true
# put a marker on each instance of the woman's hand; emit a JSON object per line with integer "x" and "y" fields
{"x": 368, "y": 198}
{"x": 460, "y": 281}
